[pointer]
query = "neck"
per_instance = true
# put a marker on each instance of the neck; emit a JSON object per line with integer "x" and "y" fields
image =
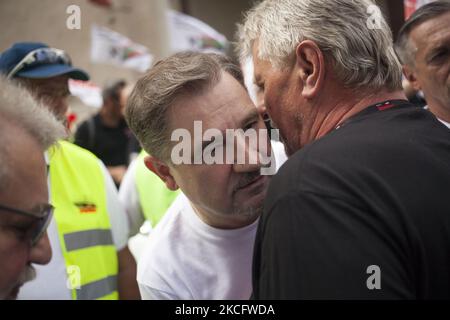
{"x": 224, "y": 221}
{"x": 326, "y": 120}
{"x": 439, "y": 110}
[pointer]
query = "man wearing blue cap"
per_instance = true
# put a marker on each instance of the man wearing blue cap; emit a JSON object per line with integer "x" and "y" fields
{"x": 44, "y": 70}
{"x": 89, "y": 231}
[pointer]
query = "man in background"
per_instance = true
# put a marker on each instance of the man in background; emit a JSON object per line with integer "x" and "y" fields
{"x": 107, "y": 135}
{"x": 423, "y": 46}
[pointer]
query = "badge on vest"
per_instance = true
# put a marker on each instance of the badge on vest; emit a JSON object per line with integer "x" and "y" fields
{"x": 86, "y": 208}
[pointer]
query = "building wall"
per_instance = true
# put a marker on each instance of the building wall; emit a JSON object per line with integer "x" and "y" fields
{"x": 141, "y": 20}
{"x": 221, "y": 15}
{"x": 45, "y": 21}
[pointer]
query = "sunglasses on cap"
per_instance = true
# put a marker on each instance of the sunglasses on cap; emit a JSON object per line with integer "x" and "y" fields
{"x": 41, "y": 56}
{"x": 43, "y": 215}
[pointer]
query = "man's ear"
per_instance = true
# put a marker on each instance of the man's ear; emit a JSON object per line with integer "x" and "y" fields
{"x": 310, "y": 65}
{"x": 410, "y": 75}
{"x": 162, "y": 171}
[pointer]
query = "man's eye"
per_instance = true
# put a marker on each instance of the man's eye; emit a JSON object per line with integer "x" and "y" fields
{"x": 249, "y": 126}
{"x": 439, "y": 55}
{"x": 260, "y": 87}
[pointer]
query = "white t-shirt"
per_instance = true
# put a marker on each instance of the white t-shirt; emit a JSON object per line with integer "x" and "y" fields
{"x": 51, "y": 279}
{"x": 185, "y": 258}
{"x": 445, "y": 123}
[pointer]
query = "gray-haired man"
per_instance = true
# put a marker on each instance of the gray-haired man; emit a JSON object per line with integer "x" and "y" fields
{"x": 26, "y": 131}
{"x": 360, "y": 209}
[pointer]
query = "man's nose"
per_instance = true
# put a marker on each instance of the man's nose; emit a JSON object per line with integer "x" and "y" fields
{"x": 41, "y": 252}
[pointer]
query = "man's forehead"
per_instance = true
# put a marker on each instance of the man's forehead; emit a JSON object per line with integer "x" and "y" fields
{"x": 431, "y": 32}
{"x": 224, "y": 105}
{"x": 226, "y": 116}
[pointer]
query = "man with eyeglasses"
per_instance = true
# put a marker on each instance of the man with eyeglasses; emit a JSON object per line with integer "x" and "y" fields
{"x": 26, "y": 131}
{"x": 89, "y": 231}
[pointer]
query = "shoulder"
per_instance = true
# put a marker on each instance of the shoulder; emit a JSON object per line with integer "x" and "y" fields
{"x": 161, "y": 246}
{"x": 77, "y": 152}
{"x": 83, "y": 125}
{"x": 355, "y": 155}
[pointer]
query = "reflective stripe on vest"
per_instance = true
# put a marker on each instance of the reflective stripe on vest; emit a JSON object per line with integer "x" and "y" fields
{"x": 97, "y": 289}
{"x": 78, "y": 194}
{"x": 89, "y": 238}
{"x": 154, "y": 196}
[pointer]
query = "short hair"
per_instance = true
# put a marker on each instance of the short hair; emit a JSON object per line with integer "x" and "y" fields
{"x": 112, "y": 89}
{"x": 403, "y": 46}
{"x": 18, "y": 108}
{"x": 361, "y": 56}
{"x": 185, "y": 73}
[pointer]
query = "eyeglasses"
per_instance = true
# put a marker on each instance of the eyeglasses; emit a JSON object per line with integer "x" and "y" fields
{"x": 43, "y": 215}
{"x": 41, "y": 56}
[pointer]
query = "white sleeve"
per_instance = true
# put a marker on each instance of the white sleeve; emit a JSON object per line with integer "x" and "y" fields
{"x": 117, "y": 215}
{"x": 129, "y": 197}
{"x": 148, "y": 293}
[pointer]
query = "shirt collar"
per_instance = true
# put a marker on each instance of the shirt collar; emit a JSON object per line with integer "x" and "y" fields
{"x": 447, "y": 124}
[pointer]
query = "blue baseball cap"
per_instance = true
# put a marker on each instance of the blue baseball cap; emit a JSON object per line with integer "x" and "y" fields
{"x": 37, "y": 61}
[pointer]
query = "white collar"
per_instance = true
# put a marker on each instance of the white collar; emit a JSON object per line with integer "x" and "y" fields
{"x": 447, "y": 124}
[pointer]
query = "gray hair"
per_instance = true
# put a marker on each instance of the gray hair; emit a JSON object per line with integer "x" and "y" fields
{"x": 403, "y": 46}
{"x": 185, "y": 73}
{"x": 361, "y": 56}
{"x": 18, "y": 108}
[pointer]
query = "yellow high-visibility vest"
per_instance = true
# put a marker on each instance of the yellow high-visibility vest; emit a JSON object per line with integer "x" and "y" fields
{"x": 79, "y": 196}
{"x": 154, "y": 197}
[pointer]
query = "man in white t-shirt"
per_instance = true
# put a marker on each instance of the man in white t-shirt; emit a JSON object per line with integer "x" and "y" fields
{"x": 132, "y": 195}
{"x": 191, "y": 112}
{"x": 423, "y": 48}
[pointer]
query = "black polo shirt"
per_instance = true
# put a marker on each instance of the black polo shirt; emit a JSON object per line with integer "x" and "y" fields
{"x": 363, "y": 212}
